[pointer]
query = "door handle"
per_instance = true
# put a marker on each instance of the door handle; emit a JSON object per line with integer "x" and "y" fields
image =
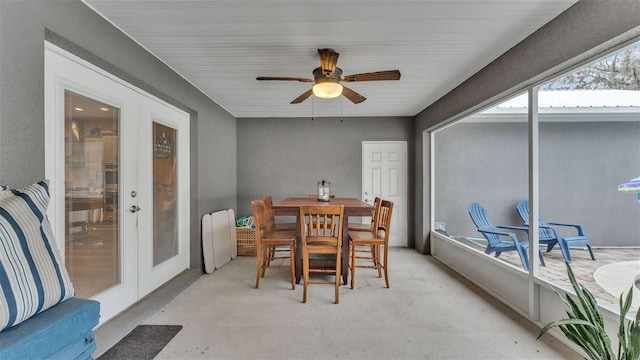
{"x": 134, "y": 208}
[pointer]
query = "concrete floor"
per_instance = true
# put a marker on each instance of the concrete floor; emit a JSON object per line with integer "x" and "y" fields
{"x": 428, "y": 313}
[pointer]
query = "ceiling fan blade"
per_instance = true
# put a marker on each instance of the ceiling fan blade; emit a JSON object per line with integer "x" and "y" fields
{"x": 328, "y": 61}
{"x": 352, "y": 95}
{"x": 373, "y": 76}
{"x": 283, "y": 78}
{"x": 302, "y": 97}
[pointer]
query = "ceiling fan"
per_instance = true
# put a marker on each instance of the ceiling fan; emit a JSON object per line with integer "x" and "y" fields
{"x": 328, "y": 79}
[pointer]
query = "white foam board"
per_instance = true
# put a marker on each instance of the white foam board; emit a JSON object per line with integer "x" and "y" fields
{"x": 207, "y": 244}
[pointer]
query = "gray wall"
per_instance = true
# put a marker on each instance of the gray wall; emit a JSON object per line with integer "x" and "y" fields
{"x": 587, "y": 29}
{"x": 584, "y": 30}
{"x": 487, "y": 163}
{"x": 24, "y": 26}
{"x": 286, "y": 157}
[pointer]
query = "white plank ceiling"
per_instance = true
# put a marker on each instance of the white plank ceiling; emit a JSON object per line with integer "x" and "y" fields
{"x": 222, "y": 46}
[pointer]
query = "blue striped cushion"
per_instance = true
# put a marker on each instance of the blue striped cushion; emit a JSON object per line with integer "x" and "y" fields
{"x": 32, "y": 277}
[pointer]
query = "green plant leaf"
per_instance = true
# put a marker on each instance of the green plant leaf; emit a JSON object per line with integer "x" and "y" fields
{"x": 598, "y": 339}
{"x": 579, "y": 293}
{"x": 623, "y": 331}
{"x": 576, "y": 337}
{"x": 634, "y": 337}
{"x": 585, "y": 325}
{"x": 629, "y": 336}
{"x": 593, "y": 309}
{"x": 606, "y": 344}
{"x": 563, "y": 322}
{"x": 585, "y": 337}
{"x": 575, "y": 310}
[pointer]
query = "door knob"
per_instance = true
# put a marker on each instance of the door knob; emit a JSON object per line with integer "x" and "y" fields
{"x": 134, "y": 208}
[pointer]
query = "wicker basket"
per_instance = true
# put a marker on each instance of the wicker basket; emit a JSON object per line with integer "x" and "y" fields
{"x": 246, "y": 239}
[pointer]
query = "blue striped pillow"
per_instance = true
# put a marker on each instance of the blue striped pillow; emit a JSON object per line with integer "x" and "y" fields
{"x": 32, "y": 277}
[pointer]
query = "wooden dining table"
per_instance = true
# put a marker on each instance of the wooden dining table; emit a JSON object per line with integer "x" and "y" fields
{"x": 352, "y": 207}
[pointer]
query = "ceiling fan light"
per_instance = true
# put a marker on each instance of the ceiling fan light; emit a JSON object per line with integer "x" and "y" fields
{"x": 327, "y": 90}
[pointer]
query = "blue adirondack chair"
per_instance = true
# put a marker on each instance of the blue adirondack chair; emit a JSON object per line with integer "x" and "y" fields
{"x": 494, "y": 237}
{"x": 550, "y": 235}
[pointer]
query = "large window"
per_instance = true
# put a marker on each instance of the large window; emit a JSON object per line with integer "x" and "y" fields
{"x": 588, "y": 143}
{"x": 482, "y": 159}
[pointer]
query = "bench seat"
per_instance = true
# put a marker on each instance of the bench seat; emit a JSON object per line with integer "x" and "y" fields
{"x": 64, "y": 331}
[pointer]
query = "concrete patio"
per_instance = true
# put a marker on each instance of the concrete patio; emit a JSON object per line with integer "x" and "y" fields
{"x": 583, "y": 267}
{"x": 430, "y": 312}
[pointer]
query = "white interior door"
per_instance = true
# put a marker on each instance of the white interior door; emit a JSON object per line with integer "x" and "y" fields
{"x": 384, "y": 175}
{"x": 117, "y": 159}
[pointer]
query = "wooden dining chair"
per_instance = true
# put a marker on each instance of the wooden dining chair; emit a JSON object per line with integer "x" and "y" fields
{"x": 270, "y": 244}
{"x": 378, "y": 239}
{"x": 321, "y": 229}
{"x": 371, "y": 227}
{"x": 268, "y": 203}
{"x": 273, "y": 226}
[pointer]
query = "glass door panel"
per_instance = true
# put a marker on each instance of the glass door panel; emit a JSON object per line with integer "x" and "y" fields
{"x": 91, "y": 194}
{"x": 90, "y": 123}
{"x": 165, "y": 234}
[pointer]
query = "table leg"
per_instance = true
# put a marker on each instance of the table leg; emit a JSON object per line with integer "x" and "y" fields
{"x": 298, "y": 250}
{"x": 345, "y": 250}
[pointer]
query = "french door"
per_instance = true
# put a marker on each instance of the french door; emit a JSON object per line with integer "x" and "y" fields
{"x": 117, "y": 159}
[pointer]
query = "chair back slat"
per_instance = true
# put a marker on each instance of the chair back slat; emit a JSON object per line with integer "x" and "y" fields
{"x": 384, "y": 218}
{"x": 376, "y": 213}
{"x": 260, "y": 219}
{"x": 373, "y": 226}
{"x": 270, "y": 214}
{"x": 322, "y": 223}
{"x": 480, "y": 218}
{"x": 545, "y": 233}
